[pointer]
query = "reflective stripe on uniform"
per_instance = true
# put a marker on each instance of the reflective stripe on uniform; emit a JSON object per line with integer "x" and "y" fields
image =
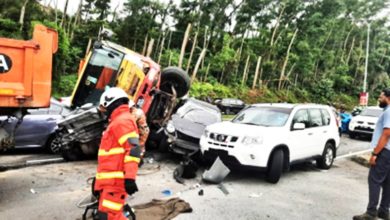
{"x": 112, "y": 151}
{"x": 131, "y": 158}
{"x": 112, "y": 205}
{"x": 110, "y": 175}
{"x": 123, "y": 139}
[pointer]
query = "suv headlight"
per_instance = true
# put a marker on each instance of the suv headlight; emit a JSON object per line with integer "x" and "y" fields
{"x": 206, "y": 133}
{"x": 252, "y": 140}
{"x": 170, "y": 127}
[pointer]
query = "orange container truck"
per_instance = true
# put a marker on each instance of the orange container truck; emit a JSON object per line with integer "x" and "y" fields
{"x": 26, "y": 70}
{"x": 25, "y": 76}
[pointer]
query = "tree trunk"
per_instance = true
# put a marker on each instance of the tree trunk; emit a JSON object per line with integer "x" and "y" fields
{"x": 350, "y": 50}
{"x": 322, "y": 48}
{"x": 286, "y": 60}
{"x": 145, "y": 45}
{"x": 256, "y": 73}
{"x": 77, "y": 19}
{"x": 161, "y": 48}
{"x": 184, "y": 44}
{"x": 277, "y": 25}
{"x": 192, "y": 51}
{"x": 150, "y": 48}
{"x": 204, "y": 42}
{"x": 170, "y": 58}
{"x": 243, "y": 81}
{"x": 207, "y": 73}
{"x": 56, "y": 11}
{"x": 22, "y": 12}
{"x": 202, "y": 54}
{"x": 64, "y": 15}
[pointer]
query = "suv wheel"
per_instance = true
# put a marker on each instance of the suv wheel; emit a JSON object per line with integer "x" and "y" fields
{"x": 327, "y": 158}
{"x": 275, "y": 166}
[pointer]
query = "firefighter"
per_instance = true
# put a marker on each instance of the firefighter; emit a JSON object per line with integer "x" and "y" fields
{"x": 118, "y": 157}
{"x": 142, "y": 125}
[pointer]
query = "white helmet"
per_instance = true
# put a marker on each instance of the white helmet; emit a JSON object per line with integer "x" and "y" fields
{"x": 131, "y": 103}
{"x": 111, "y": 95}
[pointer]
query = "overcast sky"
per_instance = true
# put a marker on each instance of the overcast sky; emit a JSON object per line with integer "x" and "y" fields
{"x": 73, "y": 4}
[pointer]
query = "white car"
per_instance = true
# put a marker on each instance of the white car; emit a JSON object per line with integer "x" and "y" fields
{"x": 274, "y": 136}
{"x": 365, "y": 122}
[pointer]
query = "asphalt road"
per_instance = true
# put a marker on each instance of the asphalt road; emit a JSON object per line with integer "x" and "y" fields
{"x": 52, "y": 191}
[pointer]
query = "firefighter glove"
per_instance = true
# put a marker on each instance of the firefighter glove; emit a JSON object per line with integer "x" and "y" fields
{"x": 130, "y": 186}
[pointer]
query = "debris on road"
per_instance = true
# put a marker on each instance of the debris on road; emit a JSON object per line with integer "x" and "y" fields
{"x": 201, "y": 192}
{"x": 33, "y": 191}
{"x": 255, "y": 195}
{"x": 223, "y": 189}
{"x": 186, "y": 170}
{"x": 217, "y": 172}
{"x": 167, "y": 192}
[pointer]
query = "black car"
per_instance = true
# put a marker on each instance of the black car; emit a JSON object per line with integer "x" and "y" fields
{"x": 230, "y": 105}
{"x": 183, "y": 131}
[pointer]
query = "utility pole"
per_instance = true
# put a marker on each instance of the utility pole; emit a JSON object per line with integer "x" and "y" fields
{"x": 366, "y": 67}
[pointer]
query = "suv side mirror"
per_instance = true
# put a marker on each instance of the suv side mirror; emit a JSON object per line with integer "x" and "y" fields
{"x": 299, "y": 126}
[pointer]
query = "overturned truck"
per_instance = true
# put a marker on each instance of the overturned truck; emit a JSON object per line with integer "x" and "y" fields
{"x": 111, "y": 65}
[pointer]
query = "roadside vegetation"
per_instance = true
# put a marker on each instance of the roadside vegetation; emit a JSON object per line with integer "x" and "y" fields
{"x": 259, "y": 51}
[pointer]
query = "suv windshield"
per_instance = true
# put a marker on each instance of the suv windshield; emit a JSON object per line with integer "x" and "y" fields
{"x": 263, "y": 116}
{"x": 371, "y": 112}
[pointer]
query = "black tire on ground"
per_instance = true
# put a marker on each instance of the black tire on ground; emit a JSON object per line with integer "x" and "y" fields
{"x": 275, "y": 166}
{"x": 163, "y": 145}
{"x": 327, "y": 158}
{"x": 176, "y": 77}
{"x": 72, "y": 153}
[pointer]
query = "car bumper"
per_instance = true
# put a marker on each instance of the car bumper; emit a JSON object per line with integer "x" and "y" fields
{"x": 235, "y": 153}
{"x": 362, "y": 130}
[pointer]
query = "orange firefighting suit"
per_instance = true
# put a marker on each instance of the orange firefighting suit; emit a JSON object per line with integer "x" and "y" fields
{"x": 118, "y": 158}
{"x": 142, "y": 125}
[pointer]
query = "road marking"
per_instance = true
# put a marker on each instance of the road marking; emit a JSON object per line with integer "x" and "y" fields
{"x": 31, "y": 162}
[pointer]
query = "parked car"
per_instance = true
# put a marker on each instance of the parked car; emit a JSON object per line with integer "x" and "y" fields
{"x": 271, "y": 137}
{"x": 229, "y": 105}
{"x": 364, "y": 123}
{"x": 183, "y": 131}
{"x": 38, "y": 127}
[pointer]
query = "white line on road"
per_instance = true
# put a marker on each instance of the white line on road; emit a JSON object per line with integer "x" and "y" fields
{"x": 31, "y": 162}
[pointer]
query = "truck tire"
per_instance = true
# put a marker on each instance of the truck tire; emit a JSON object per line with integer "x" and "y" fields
{"x": 72, "y": 153}
{"x": 327, "y": 158}
{"x": 275, "y": 166}
{"x": 176, "y": 77}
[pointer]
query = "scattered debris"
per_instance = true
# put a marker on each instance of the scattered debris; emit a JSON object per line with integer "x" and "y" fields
{"x": 33, "y": 191}
{"x": 44, "y": 161}
{"x": 223, "y": 189}
{"x": 201, "y": 192}
{"x": 147, "y": 169}
{"x": 167, "y": 192}
{"x": 187, "y": 170}
{"x": 255, "y": 195}
{"x": 217, "y": 172}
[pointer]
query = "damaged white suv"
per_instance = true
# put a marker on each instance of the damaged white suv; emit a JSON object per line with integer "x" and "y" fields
{"x": 274, "y": 136}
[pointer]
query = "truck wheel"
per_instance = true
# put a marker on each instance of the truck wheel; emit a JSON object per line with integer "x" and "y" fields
{"x": 275, "y": 166}
{"x": 176, "y": 77}
{"x": 327, "y": 158}
{"x": 72, "y": 153}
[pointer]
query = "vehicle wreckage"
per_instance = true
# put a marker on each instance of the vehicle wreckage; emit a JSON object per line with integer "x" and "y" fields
{"x": 111, "y": 65}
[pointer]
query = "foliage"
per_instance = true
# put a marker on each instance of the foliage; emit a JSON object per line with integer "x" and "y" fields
{"x": 64, "y": 86}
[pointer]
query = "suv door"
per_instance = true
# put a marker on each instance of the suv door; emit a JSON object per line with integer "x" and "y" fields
{"x": 300, "y": 140}
{"x": 318, "y": 131}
